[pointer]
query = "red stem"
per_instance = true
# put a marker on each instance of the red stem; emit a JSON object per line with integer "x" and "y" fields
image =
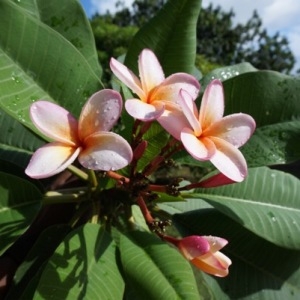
{"x": 146, "y": 213}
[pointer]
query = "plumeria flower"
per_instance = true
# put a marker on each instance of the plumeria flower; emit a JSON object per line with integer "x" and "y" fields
{"x": 155, "y": 92}
{"x": 88, "y": 139}
{"x": 203, "y": 252}
{"x": 208, "y": 135}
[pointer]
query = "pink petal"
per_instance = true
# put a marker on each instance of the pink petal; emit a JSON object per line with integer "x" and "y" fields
{"x": 170, "y": 87}
{"x": 173, "y": 120}
{"x": 190, "y": 110}
{"x": 105, "y": 151}
{"x": 229, "y": 160}
{"x": 211, "y": 265}
{"x": 223, "y": 259}
{"x": 127, "y": 77}
{"x": 193, "y": 246}
{"x": 215, "y": 243}
{"x": 144, "y": 111}
{"x": 151, "y": 73}
{"x": 54, "y": 122}
{"x": 200, "y": 149}
{"x": 51, "y": 159}
{"x": 212, "y": 105}
{"x": 100, "y": 113}
{"x": 235, "y": 129}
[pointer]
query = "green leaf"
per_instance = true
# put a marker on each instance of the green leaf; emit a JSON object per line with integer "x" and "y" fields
{"x": 39, "y": 63}
{"x": 163, "y": 197}
{"x": 30, "y": 6}
{"x": 157, "y": 138}
{"x": 17, "y": 142}
{"x": 225, "y": 73}
{"x": 18, "y": 171}
{"x": 272, "y": 99}
{"x": 268, "y": 96}
{"x": 267, "y": 203}
{"x": 276, "y": 144}
{"x": 82, "y": 267}
{"x": 19, "y": 203}
{"x": 171, "y": 34}
{"x": 185, "y": 206}
{"x": 259, "y": 270}
{"x": 68, "y": 18}
{"x": 34, "y": 262}
{"x": 153, "y": 268}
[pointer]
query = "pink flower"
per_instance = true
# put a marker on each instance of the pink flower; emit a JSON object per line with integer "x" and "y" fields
{"x": 155, "y": 92}
{"x": 88, "y": 139}
{"x": 203, "y": 252}
{"x": 208, "y": 135}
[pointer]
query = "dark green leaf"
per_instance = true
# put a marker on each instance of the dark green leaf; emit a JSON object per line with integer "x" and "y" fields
{"x": 267, "y": 203}
{"x": 273, "y": 144}
{"x": 38, "y": 63}
{"x": 153, "y": 268}
{"x": 68, "y": 18}
{"x": 34, "y": 262}
{"x": 19, "y": 203}
{"x": 269, "y": 97}
{"x": 171, "y": 34}
{"x": 17, "y": 142}
{"x": 225, "y": 73}
{"x": 82, "y": 267}
{"x": 156, "y": 137}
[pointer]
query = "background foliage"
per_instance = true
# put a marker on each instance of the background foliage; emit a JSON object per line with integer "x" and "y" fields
{"x": 220, "y": 42}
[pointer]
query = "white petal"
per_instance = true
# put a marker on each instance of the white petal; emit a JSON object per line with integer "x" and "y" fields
{"x": 144, "y": 111}
{"x": 229, "y": 160}
{"x": 190, "y": 110}
{"x": 100, "y": 113}
{"x": 51, "y": 159}
{"x": 216, "y": 243}
{"x": 201, "y": 149}
{"x": 54, "y": 122}
{"x": 173, "y": 120}
{"x": 127, "y": 77}
{"x": 105, "y": 151}
{"x": 212, "y": 105}
{"x": 169, "y": 89}
{"x": 151, "y": 73}
{"x": 235, "y": 129}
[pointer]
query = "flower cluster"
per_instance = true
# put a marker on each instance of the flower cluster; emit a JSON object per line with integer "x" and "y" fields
{"x": 205, "y": 134}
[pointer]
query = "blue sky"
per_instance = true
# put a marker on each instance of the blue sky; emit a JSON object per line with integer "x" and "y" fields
{"x": 277, "y": 15}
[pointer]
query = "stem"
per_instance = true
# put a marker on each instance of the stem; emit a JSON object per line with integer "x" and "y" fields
{"x": 135, "y": 127}
{"x": 157, "y": 188}
{"x": 92, "y": 178}
{"x": 60, "y": 192}
{"x": 144, "y": 209}
{"x": 117, "y": 176}
{"x": 79, "y": 173}
{"x": 62, "y": 198}
{"x": 95, "y": 212}
{"x": 190, "y": 186}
